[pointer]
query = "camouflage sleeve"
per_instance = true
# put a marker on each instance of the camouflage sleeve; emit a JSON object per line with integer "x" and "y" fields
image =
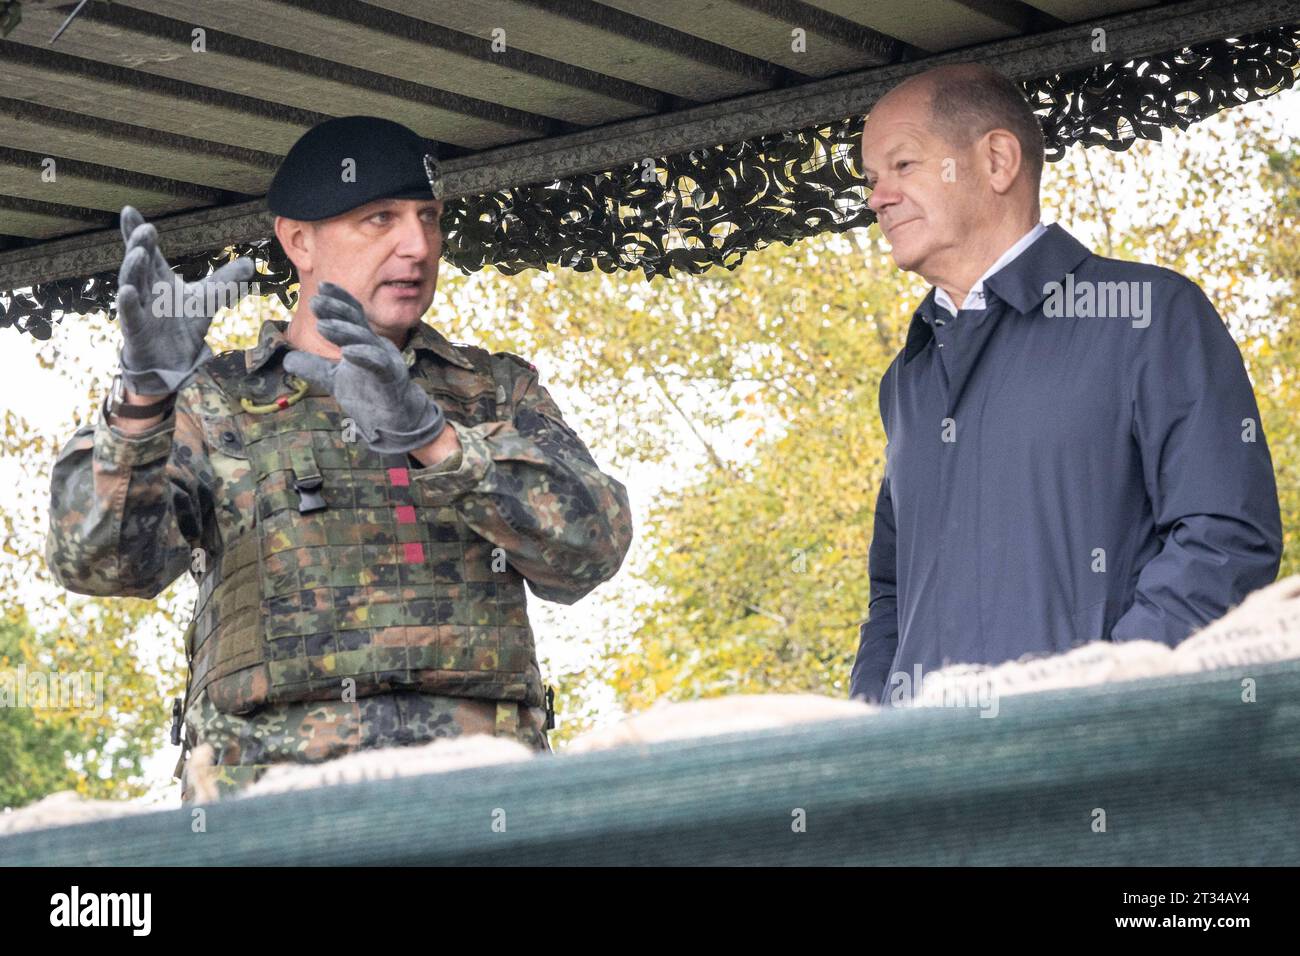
{"x": 118, "y": 504}
{"x": 531, "y": 487}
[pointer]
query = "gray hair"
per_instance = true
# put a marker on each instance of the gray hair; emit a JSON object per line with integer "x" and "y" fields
{"x": 969, "y": 99}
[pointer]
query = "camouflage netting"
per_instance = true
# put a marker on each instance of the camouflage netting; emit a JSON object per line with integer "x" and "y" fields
{"x": 709, "y": 207}
{"x": 1185, "y": 772}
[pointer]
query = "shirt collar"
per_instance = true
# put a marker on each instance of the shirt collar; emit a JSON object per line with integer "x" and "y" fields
{"x": 424, "y": 337}
{"x": 975, "y": 297}
{"x": 1021, "y": 284}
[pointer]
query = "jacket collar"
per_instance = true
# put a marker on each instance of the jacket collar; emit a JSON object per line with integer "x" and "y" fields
{"x": 270, "y": 340}
{"x": 424, "y": 337}
{"x": 921, "y": 331}
{"x": 1021, "y": 284}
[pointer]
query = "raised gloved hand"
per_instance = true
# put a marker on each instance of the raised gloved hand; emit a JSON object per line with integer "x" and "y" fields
{"x": 370, "y": 381}
{"x": 165, "y": 319}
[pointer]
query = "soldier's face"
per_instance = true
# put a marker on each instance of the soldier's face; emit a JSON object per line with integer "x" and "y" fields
{"x": 920, "y": 196}
{"x": 386, "y": 254}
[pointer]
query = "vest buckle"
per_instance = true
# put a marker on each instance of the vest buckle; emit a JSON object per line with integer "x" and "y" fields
{"x": 309, "y": 496}
{"x": 177, "y": 719}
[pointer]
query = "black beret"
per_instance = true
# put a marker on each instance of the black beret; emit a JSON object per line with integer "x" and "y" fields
{"x": 315, "y": 181}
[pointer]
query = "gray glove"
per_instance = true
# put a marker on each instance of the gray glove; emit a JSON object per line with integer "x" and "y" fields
{"x": 370, "y": 382}
{"x": 163, "y": 334}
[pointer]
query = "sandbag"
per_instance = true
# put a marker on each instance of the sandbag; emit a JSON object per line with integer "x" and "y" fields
{"x": 65, "y": 808}
{"x": 1264, "y": 628}
{"x": 717, "y": 715}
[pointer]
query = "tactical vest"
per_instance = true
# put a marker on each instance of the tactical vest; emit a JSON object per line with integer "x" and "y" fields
{"x": 346, "y": 571}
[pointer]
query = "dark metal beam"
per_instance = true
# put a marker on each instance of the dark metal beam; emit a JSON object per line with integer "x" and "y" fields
{"x": 152, "y": 152}
{"x": 405, "y": 47}
{"x": 764, "y": 28}
{"x": 78, "y": 169}
{"x": 596, "y": 37}
{"x": 1063, "y": 50}
{"x": 124, "y": 23}
{"x": 480, "y": 48}
{"x": 41, "y": 74}
{"x": 882, "y": 49}
{"x": 619, "y": 23}
{"x": 42, "y": 216}
{"x": 94, "y": 217}
{"x": 1129, "y": 36}
{"x": 942, "y": 25}
{"x": 1021, "y": 17}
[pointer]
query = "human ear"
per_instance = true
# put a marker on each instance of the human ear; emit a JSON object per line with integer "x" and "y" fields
{"x": 297, "y": 240}
{"x": 1002, "y": 158}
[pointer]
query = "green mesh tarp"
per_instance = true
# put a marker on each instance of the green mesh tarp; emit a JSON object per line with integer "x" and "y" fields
{"x": 1185, "y": 772}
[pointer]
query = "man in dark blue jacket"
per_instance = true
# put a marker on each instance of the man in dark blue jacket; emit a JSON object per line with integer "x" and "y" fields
{"x": 1075, "y": 454}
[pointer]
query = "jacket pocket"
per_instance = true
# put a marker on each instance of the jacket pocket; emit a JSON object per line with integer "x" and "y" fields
{"x": 232, "y": 473}
{"x": 222, "y": 437}
{"x": 469, "y": 400}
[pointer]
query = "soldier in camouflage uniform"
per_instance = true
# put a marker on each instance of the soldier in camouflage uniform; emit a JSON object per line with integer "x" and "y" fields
{"x": 359, "y": 500}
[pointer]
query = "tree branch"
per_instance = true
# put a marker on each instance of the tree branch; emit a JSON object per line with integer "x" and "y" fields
{"x": 708, "y": 448}
{"x": 1101, "y": 208}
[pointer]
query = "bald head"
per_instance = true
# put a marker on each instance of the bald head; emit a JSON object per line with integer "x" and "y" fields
{"x": 954, "y": 157}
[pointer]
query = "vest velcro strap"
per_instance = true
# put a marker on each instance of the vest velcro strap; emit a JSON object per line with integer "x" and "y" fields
{"x": 240, "y": 646}
{"x": 303, "y": 462}
{"x": 240, "y": 553}
{"x": 307, "y": 480}
{"x": 240, "y": 588}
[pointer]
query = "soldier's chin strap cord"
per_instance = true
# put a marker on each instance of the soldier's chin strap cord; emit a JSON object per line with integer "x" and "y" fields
{"x": 300, "y": 388}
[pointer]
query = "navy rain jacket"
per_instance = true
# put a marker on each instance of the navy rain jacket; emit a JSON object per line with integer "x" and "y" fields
{"x": 1056, "y": 476}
